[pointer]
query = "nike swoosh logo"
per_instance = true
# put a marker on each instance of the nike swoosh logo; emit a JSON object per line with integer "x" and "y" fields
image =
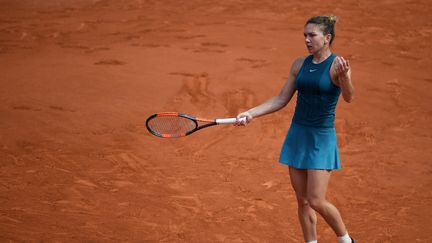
{"x": 312, "y": 70}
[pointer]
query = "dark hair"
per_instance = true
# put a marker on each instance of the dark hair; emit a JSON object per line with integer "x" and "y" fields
{"x": 326, "y": 23}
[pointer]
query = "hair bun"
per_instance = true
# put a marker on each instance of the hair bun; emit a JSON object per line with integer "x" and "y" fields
{"x": 332, "y": 19}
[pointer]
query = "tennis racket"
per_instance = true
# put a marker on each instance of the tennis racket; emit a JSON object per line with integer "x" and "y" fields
{"x": 176, "y": 125}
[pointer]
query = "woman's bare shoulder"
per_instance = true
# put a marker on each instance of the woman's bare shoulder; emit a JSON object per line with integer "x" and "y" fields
{"x": 298, "y": 62}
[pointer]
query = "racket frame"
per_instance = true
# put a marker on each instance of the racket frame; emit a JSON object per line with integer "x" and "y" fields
{"x": 210, "y": 122}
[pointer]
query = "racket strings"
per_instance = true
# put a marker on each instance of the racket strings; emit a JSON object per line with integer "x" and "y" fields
{"x": 171, "y": 125}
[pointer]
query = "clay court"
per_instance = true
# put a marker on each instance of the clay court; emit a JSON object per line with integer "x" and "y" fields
{"x": 80, "y": 77}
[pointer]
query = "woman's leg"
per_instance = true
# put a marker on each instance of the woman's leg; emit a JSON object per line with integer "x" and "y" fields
{"x": 317, "y": 182}
{"x": 306, "y": 214}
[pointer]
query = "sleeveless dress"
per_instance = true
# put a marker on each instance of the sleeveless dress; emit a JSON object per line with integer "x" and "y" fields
{"x": 311, "y": 139}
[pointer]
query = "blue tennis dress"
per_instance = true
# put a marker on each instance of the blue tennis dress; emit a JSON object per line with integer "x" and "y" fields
{"x": 311, "y": 139}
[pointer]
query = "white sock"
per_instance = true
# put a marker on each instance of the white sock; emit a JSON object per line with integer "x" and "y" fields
{"x": 344, "y": 239}
{"x": 312, "y": 241}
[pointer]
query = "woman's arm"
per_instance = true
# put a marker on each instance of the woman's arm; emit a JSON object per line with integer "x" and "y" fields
{"x": 343, "y": 77}
{"x": 277, "y": 102}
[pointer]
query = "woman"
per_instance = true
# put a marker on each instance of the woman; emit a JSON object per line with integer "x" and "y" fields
{"x": 310, "y": 148}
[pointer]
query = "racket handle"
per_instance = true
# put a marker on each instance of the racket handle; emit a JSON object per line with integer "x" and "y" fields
{"x": 229, "y": 120}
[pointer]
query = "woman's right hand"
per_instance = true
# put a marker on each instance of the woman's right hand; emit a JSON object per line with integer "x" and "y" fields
{"x": 247, "y": 118}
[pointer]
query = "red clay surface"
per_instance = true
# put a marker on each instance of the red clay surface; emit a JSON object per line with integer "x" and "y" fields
{"x": 79, "y": 78}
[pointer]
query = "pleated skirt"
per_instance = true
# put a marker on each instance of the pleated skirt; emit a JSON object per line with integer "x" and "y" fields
{"x": 308, "y": 147}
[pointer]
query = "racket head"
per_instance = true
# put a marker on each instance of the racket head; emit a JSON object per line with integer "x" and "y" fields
{"x": 171, "y": 125}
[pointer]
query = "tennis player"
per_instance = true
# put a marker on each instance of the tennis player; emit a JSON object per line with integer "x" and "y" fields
{"x": 310, "y": 149}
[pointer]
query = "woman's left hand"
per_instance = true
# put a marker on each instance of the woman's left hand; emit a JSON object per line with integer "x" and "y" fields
{"x": 343, "y": 73}
{"x": 342, "y": 69}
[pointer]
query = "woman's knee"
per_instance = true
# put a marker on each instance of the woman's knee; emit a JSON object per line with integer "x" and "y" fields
{"x": 302, "y": 202}
{"x": 316, "y": 203}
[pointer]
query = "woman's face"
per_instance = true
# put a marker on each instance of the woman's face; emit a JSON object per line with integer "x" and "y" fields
{"x": 315, "y": 39}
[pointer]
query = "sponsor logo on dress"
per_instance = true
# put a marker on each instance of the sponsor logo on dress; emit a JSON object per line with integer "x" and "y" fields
{"x": 312, "y": 70}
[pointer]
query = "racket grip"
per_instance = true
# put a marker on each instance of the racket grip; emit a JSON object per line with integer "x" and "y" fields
{"x": 229, "y": 120}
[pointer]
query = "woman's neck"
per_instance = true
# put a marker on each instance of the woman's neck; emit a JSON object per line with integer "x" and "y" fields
{"x": 321, "y": 55}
